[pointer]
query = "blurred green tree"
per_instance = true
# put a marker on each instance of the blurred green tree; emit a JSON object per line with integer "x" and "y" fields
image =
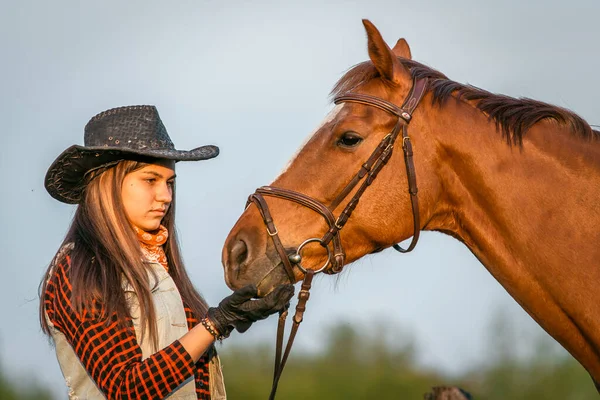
{"x": 382, "y": 365}
{"x": 25, "y": 389}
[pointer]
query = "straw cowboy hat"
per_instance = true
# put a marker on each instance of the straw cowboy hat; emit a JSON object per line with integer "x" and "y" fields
{"x": 131, "y": 132}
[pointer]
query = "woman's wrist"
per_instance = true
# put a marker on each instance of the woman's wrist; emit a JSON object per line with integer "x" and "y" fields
{"x": 196, "y": 341}
{"x": 209, "y": 325}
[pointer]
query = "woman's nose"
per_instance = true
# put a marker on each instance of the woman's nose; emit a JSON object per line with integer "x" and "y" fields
{"x": 165, "y": 193}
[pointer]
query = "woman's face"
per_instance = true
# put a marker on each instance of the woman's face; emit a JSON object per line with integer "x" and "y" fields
{"x": 147, "y": 194}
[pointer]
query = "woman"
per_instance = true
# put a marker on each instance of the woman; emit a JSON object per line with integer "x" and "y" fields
{"x": 125, "y": 319}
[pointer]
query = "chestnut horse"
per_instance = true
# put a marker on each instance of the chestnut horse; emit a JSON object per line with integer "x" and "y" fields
{"x": 516, "y": 180}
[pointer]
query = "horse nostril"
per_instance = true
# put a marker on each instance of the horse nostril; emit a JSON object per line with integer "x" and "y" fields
{"x": 239, "y": 253}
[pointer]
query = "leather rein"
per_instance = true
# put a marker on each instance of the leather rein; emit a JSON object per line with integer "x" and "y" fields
{"x": 367, "y": 173}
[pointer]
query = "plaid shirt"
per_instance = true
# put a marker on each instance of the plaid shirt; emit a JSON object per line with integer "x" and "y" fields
{"x": 112, "y": 356}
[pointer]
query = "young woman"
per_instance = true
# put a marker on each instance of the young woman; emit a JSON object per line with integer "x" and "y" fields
{"x": 125, "y": 319}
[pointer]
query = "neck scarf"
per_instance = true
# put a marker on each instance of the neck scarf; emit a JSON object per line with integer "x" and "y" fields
{"x": 152, "y": 245}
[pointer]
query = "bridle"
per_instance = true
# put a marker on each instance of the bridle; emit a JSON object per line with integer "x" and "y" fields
{"x": 368, "y": 172}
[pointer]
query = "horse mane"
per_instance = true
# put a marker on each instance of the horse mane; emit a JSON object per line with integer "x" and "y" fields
{"x": 513, "y": 116}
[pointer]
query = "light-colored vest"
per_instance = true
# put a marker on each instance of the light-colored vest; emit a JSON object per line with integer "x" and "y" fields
{"x": 171, "y": 325}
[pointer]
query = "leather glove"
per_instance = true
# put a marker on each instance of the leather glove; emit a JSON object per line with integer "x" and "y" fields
{"x": 239, "y": 311}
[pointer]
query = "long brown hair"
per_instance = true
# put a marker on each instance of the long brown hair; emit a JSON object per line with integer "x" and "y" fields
{"x": 106, "y": 250}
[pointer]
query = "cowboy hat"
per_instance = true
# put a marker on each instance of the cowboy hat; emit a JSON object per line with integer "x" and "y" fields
{"x": 131, "y": 132}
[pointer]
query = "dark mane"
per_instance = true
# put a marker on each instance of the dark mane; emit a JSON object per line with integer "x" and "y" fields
{"x": 513, "y": 116}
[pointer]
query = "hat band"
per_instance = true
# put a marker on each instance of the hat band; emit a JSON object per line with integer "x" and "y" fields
{"x": 103, "y": 166}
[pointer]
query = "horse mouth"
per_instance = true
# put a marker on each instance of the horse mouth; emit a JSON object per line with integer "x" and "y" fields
{"x": 264, "y": 274}
{"x": 275, "y": 277}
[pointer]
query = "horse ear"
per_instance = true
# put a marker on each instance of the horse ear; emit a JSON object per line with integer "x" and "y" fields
{"x": 401, "y": 49}
{"x": 383, "y": 58}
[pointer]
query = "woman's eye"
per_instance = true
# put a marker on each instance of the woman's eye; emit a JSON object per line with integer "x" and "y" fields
{"x": 349, "y": 139}
{"x": 151, "y": 180}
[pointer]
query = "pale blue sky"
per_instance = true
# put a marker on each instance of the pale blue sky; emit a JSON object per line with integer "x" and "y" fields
{"x": 254, "y": 78}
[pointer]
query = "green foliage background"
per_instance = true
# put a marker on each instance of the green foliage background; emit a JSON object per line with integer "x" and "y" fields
{"x": 382, "y": 365}
{"x": 355, "y": 365}
{"x": 22, "y": 389}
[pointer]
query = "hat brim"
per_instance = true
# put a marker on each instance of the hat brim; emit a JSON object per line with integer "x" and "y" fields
{"x": 65, "y": 179}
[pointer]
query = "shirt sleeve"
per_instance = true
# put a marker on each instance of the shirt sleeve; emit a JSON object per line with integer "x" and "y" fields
{"x": 111, "y": 354}
{"x": 201, "y": 377}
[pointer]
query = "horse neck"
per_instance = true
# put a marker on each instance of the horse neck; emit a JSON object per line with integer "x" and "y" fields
{"x": 499, "y": 199}
{"x": 529, "y": 214}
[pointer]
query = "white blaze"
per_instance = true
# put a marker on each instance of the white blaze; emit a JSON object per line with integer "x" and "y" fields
{"x": 328, "y": 118}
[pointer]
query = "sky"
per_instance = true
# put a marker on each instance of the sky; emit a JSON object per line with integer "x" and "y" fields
{"x": 254, "y": 78}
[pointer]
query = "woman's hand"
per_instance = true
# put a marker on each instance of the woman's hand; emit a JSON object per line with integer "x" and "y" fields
{"x": 239, "y": 310}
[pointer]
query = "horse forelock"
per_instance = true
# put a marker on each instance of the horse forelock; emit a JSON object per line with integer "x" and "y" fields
{"x": 513, "y": 116}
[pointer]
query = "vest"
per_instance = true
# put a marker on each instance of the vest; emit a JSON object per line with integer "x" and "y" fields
{"x": 171, "y": 325}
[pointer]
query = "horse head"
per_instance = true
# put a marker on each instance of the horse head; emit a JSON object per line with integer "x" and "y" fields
{"x": 320, "y": 173}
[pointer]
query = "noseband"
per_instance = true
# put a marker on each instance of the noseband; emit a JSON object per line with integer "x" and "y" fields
{"x": 369, "y": 170}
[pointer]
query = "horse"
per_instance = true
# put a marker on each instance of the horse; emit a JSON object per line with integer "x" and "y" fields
{"x": 447, "y": 393}
{"x": 516, "y": 180}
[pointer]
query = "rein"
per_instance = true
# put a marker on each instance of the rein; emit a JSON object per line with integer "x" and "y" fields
{"x": 368, "y": 171}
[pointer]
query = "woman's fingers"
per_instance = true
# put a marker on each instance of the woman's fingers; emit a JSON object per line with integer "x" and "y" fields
{"x": 243, "y": 294}
{"x": 273, "y": 302}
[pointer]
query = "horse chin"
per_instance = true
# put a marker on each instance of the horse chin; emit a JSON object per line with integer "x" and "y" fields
{"x": 262, "y": 272}
{"x": 274, "y": 278}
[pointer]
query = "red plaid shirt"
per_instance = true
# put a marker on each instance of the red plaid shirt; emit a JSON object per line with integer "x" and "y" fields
{"x": 112, "y": 356}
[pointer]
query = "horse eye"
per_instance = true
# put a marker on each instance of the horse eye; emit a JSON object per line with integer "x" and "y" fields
{"x": 349, "y": 139}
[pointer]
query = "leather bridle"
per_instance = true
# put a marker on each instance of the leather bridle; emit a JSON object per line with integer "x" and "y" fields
{"x": 367, "y": 173}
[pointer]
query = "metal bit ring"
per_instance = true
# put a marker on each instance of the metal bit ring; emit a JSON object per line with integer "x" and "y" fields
{"x": 298, "y": 255}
